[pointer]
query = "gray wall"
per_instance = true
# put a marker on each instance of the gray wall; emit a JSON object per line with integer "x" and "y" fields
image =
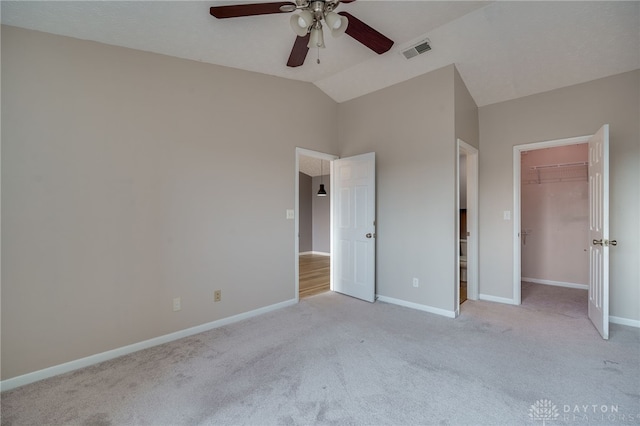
{"x": 572, "y": 111}
{"x": 466, "y": 113}
{"x": 321, "y": 216}
{"x": 305, "y": 212}
{"x": 131, "y": 178}
{"x": 411, "y": 128}
{"x": 124, "y": 186}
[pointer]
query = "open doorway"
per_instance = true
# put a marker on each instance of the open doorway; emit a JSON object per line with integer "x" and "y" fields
{"x": 313, "y": 222}
{"x": 551, "y": 217}
{"x": 467, "y": 224}
{"x": 554, "y": 214}
{"x": 597, "y": 232}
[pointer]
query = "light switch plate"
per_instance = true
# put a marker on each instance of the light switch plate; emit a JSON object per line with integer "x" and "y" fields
{"x": 506, "y": 215}
{"x": 290, "y": 214}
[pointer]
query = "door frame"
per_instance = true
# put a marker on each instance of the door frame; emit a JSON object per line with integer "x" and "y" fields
{"x": 472, "y": 222}
{"x": 296, "y": 236}
{"x": 517, "y": 248}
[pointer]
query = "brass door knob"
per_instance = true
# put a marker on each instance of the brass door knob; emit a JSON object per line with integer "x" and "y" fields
{"x": 597, "y": 242}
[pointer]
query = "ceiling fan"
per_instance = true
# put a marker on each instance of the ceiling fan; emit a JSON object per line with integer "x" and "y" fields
{"x": 307, "y": 24}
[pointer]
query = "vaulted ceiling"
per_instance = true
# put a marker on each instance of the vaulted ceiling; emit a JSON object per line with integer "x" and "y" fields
{"x": 503, "y": 50}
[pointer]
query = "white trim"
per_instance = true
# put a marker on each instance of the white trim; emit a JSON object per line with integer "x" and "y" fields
{"x": 624, "y": 321}
{"x": 426, "y": 308}
{"x": 517, "y": 150}
{"x": 332, "y": 184}
{"x": 296, "y": 228}
{"x": 25, "y": 379}
{"x": 517, "y": 250}
{"x": 556, "y": 283}
{"x": 319, "y": 253}
{"x": 457, "y": 236}
{"x": 489, "y": 298}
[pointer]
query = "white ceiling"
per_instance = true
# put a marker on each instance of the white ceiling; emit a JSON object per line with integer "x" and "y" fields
{"x": 503, "y": 50}
{"x": 311, "y": 166}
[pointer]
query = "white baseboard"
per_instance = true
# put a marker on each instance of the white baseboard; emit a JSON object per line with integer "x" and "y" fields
{"x": 489, "y": 298}
{"x": 320, "y": 253}
{"x": 114, "y": 353}
{"x": 624, "y": 321}
{"x": 556, "y": 283}
{"x": 426, "y": 308}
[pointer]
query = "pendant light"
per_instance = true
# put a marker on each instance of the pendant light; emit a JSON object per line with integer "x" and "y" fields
{"x": 321, "y": 191}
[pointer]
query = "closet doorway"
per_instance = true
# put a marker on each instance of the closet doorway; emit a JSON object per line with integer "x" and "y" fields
{"x": 551, "y": 215}
{"x": 554, "y": 214}
{"x": 313, "y": 222}
{"x": 570, "y": 195}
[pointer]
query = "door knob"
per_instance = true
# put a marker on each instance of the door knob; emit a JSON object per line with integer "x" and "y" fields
{"x": 610, "y": 243}
{"x": 370, "y": 235}
{"x": 597, "y": 242}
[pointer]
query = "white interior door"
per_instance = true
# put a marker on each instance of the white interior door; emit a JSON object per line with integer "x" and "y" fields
{"x": 354, "y": 232}
{"x": 599, "y": 230}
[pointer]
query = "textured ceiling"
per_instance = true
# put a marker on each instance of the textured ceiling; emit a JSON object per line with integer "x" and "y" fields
{"x": 503, "y": 50}
{"x": 311, "y": 166}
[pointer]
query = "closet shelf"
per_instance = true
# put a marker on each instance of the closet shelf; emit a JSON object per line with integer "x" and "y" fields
{"x": 560, "y": 165}
{"x": 561, "y": 172}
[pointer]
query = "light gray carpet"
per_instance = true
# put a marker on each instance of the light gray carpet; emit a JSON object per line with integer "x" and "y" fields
{"x": 555, "y": 300}
{"x": 332, "y": 359}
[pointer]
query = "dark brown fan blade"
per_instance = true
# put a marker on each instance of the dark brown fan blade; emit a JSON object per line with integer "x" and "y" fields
{"x": 347, "y": 1}
{"x": 237, "y": 10}
{"x": 299, "y": 51}
{"x": 366, "y": 35}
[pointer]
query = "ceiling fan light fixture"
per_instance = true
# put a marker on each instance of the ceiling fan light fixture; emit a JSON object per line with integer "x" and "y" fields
{"x": 287, "y": 8}
{"x": 317, "y": 38}
{"x": 336, "y": 23}
{"x": 307, "y": 24}
{"x": 301, "y": 22}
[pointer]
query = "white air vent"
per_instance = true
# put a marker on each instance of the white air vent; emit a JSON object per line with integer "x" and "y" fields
{"x": 420, "y": 48}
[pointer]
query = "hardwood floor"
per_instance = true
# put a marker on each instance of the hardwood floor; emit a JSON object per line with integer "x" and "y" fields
{"x": 314, "y": 274}
{"x": 463, "y": 291}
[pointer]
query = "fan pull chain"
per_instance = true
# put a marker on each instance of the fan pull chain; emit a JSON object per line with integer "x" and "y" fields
{"x": 318, "y": 60}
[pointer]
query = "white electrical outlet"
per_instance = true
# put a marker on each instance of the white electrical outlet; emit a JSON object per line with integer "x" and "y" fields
{"x": 416, "y": 282}
{"x": 177, "y": 304}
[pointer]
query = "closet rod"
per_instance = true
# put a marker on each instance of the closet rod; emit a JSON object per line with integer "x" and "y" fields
{"x": 560, "y": 165}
